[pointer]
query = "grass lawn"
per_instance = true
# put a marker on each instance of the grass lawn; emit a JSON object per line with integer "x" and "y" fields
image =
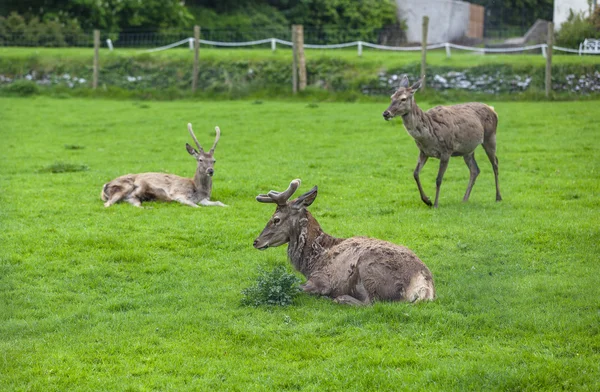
{"x": 149, "y": 299}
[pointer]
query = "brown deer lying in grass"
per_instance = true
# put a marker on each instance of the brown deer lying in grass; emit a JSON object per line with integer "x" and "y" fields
{"x": 353, "y": 271}
{"x": 445, "y": 131}
{"x": 136, "y": 188}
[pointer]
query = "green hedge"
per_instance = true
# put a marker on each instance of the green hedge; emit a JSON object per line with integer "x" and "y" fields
{"x": 145, "y": 74}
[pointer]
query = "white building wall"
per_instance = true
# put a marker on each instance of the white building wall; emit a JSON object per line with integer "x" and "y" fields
{"x": 448, "y": 19}
{"x": 562, "y": 7}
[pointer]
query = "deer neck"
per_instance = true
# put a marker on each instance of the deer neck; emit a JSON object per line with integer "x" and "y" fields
{"x": 415, "y": 120}
{"x": 203, "y": 184}
{"x": 308, "y": 244}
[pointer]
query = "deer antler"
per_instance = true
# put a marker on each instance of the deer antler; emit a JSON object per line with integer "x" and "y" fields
{"x": 194, "y": 137}
{"x": 212, "y": 150}
{"x": 280, "y": 198}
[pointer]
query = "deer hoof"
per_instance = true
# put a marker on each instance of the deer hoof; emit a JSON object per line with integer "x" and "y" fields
{"x": 427, "y": 201}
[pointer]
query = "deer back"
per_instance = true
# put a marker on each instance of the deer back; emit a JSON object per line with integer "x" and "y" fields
{"x": 385, "y": 270}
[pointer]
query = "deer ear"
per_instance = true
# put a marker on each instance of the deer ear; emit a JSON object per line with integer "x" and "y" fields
{"x": 191, "y": 150}
{"x": 417, "y": 85}
{"x": 404, "y": 81}
{"x": 306, "y": 199}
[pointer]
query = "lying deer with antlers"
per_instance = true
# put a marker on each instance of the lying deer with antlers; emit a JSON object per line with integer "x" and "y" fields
{"x": 354, "y": 271}
{"x": 136, "y": 188}
{"x": 445, "y": 131}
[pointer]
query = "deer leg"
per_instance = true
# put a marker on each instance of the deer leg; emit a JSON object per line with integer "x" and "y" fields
{"x": 135, "y": 197}
{"x": 438, "y": 181}
{"x": 115, "y": 198}
{"x": 489, "y": 145}
{"x": 315, "y": 285}
{"x": 474, "y": 172}
{"x": 134, "y": 201}
{"x": 206, "y": 202}
{"x": 420, "y": 163}
{"x": 186, "y": 202}
{"x": 350, "y": 300}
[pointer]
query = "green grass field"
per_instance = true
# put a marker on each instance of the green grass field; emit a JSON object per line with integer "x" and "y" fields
{"x": 149, "y": 299}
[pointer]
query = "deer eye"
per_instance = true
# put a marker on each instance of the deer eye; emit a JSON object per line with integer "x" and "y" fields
{"x": 276, "y": 221}
{"x": 403, "y": 100}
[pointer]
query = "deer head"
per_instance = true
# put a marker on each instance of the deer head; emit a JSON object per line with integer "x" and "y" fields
{"x": 402, "y": 99}
{"x": 205, "y": 160}
{"x": 286, "y": 218}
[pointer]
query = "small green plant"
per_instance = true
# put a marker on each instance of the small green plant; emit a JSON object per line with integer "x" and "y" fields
{"x": 277, "y": 287}
{"x": 62, "y": 167}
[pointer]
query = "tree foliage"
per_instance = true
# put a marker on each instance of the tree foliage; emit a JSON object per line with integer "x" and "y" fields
{"x": 108, "y": 15}
{"x": 577, "y": 28}
{"x": 254, "y": 16}
{"x": 113, "y": 15}
{"x": 516, "y": 12}
{"x": 38, "y": 32}
{"x": 347, "y": 14}
{"x": 117, "y": 15}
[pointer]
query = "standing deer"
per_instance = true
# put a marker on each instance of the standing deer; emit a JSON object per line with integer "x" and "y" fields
{"x": 445, "y": 131}
{"x": 135, "y": 188}
{"x": 354, "y": 271}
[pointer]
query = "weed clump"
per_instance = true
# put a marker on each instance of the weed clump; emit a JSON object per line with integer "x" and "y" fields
{"x": 74, "y": 147}
{"x": 61, "y": 167}
{"x": 276, "y": 288}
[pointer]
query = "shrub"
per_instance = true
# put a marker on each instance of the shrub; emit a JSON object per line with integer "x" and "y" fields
{"x": 23, "y": 88}
{"x": 277, "y": 288}
{"x": 577, "y": 28}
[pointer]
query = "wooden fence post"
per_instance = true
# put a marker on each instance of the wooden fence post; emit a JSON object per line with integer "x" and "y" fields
{"x": 301, "y": 57}
{"x": 96, "y": 56}
{"x": 424, "y": 50}
{"x": 294, "y": 61}
{"x": 196, "y": 58}
{"x": 550, "y": 43}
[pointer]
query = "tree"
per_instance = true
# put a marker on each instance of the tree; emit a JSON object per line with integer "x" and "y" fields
{"x": 521, "y": 13}
{"x": 109, "y": 15}
{"x": 577, "y": 28}
{"x": 347, "y": 14}
{"x": 115, "y": 15}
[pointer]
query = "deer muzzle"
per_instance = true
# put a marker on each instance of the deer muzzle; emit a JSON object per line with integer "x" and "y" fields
{"x": 258, "y": 244}
{"x": 387, "y": 115}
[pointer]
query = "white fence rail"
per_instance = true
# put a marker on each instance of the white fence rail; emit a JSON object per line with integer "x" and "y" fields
{"x": 360, "y": 44}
